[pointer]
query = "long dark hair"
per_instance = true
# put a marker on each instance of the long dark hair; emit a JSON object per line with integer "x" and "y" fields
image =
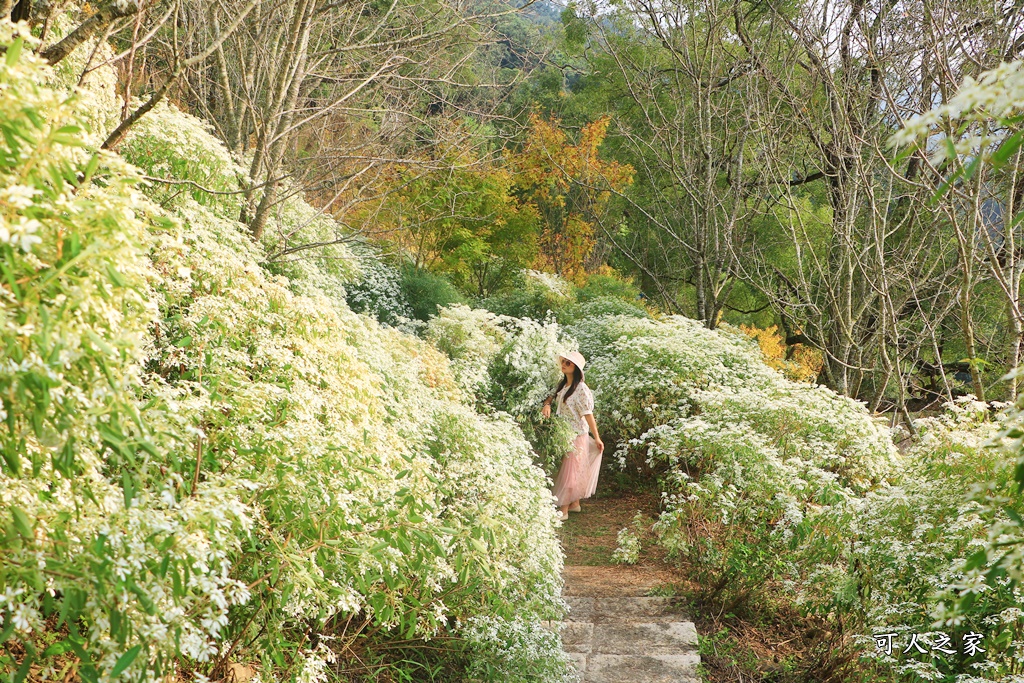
{"x": 577, "y": 377}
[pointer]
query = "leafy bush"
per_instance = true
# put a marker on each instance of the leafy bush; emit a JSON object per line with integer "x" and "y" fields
{"x": 516, "y": 652}
{"x": 427, "y": 292}
{"x": 509, "y": 364}
{"x": 803, "y": 364}
{"x": 602, "y": 285}
{"x": 540, "y": 296}
{"x": 523, "y": 373}
{"x": 601, "y": 307}
{"x": 882, "y": 560}
{"x": 741, "y": 452}
{"x": 199, "y": 463}
{"x": 769, "y": 482}
{"x": 471, "y": 338}
{"x": 179, "y": 148}
{"x": 182, "y": 149}
{"x": 379, "y": 291}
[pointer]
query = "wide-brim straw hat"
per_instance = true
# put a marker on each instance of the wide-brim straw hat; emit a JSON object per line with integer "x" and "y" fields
{"x": 577, "y": 359}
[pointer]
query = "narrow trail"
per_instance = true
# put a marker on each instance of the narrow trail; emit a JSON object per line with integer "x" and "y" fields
{"x": 616, "y": 631}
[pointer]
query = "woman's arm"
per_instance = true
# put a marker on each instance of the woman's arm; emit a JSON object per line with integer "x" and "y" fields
{"x": 546, "y": 410}
{"x": 593, "y": 429}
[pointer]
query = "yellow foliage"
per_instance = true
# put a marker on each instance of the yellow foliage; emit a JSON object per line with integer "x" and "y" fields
{"x": 804, "y": 363}
{"x": 571, "y": 186}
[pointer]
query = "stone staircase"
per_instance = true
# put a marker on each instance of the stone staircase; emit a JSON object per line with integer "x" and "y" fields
{"x": 620, "y": 639}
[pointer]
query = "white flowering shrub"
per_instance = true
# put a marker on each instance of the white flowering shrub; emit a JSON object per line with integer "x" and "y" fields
{"x": 600, "y": 307}
{"x": 328, "y": 269}
{"x": 554, "y": 283}
{"x": 629, "y": 540}
{"x": 536, "y": 295}
{"x": 100, "y": 558}
{"x": 471, "y": 338}
{"x": 200, "y": 464}
{"x": 740, "y": 451}
{"x": 977, "y": 130}
{"x": 517, "y": 652}
{"x": 181, "y": 151}
{"x": 897, "y": 559}
{"x": 525, "y": 372}
{"x": 378, "y": 291}
{"x": 169, "y": 144}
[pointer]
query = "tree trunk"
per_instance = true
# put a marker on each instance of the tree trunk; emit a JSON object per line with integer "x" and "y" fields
{"x": 88, "y": 28}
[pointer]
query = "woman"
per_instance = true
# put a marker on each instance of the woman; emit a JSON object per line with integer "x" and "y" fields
{"x": 577, "y": 477}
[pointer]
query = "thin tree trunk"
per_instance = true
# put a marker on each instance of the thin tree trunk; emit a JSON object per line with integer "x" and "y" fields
{"x": 118, "y": 133}
{"x": 88, "y": 28}
{"x": 279, "y": 141}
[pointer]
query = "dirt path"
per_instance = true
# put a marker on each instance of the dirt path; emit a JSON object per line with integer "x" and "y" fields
{"x": 590, "y": 537}
{"x": 615, "y": 632}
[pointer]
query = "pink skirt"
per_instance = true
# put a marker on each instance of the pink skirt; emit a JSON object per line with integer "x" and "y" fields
{"x": 577, "y": 477}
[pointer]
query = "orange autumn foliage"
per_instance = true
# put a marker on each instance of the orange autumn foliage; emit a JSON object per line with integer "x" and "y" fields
{"x": 804, "y": 363}
{"x": 571, "y": 186}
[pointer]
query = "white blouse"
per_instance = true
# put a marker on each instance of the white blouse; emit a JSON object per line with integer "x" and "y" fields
{"x": 579, "y": 404}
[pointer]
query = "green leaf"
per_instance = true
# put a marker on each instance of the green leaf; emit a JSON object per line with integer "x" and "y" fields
{"x": 124, "y": 661}
{"x": 184, "y": 342}
{"x": 8, "y": 627}
{"x": 23, "y": 670}
{"x": 100, "y": 344}
{"x": 128, "y": 486}
{"x": 1014, "y": 515}
{"x": 12, "y": 458}
{"x": 22, "y": 523}
{"x": 58, "y": 648}
{"x": 1009, "y": 146}
{"x": 90, "y": 168}
{"x": 976, "y": 560}
{"x": 972, "y": 168}
{"x": 14, "y": 51}
{"x": 115, "y": 276}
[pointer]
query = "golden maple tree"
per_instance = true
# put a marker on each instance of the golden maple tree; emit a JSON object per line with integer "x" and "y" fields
{"x": 571, "y": 186}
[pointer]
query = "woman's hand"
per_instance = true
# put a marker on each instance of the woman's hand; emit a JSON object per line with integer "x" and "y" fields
{"x": 546, "y": 410}
{"x": 600, "y": 444}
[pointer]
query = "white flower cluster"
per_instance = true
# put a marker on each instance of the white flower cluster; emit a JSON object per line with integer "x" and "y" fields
{"x": 378, "y": 291}
{"x": 471, "y": 338}
{"x": 518, "y": 651}
{"x": 554, "y": 283}
{"x": 528, "y": 364}
{"x": 627, "y": 547}
{"x": 997, "y": 94}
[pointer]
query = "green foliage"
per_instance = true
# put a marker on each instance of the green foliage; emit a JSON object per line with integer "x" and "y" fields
{"x": 536, "y": 296}
{"x": 464, "y": 223}
{"x": 607, "y": 286}
{"x": 427, "y": 292}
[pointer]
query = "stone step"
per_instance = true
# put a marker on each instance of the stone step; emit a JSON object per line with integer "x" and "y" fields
{"x": 622, "y": 639}
{"x": 624, "y": 610}
{"x": 672, "y": 638}
{"x": 679, "y": 668}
